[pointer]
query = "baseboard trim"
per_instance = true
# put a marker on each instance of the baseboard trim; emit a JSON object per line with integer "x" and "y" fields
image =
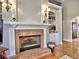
{"x": 67, "y": 40}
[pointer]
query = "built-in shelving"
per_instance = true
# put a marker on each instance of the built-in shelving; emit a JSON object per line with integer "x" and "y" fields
{"x": 55, "y": 23}
{"x": 54, "y": 20}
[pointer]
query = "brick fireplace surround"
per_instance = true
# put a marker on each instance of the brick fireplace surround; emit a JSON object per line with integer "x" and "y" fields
{"x": 28, "y": 32}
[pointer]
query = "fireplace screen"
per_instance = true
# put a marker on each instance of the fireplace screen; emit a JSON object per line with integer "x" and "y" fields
{"x": 29, "y": 42}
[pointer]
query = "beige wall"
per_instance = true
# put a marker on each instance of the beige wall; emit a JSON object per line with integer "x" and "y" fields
{"x": 70, "y": 11}
{"x": 29, "y": 11}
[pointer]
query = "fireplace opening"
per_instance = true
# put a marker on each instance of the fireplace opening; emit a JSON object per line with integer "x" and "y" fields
{"x": 29, "y": 42}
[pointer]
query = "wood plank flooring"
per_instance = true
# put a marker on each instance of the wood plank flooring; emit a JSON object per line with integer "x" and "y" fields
{"x": 67, "y": 48}
{"x": 70, "y": 49}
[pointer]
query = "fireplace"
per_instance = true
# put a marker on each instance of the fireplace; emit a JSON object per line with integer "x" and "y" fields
{"x": 27, "y": 39}
{"x": 29, "y": 42}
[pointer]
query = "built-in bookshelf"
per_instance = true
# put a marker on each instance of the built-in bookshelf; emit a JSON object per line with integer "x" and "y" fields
{"x": 55, "y": 23}
{"x": 54, "y": 18}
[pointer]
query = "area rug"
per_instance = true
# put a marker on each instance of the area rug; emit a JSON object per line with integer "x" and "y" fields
{"x": 65, "y": 57}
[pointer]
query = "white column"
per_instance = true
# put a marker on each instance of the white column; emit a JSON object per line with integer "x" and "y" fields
{"x": 45, "y": 43}
{"x": 12, "y": 41}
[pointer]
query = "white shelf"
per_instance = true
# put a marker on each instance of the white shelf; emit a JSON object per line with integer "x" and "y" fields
{"x": 23, "y": 23}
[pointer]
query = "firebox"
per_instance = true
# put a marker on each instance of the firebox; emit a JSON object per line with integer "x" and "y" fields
{"x": 29, "y": 42}
{"x": 27, "y": 39}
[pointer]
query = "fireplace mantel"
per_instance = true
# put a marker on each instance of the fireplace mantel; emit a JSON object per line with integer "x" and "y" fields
{"x": 24, "y": 23}
{"x": 9, "y": 33}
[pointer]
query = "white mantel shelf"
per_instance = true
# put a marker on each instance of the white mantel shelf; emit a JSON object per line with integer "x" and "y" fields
{"x": 23, "y": 23}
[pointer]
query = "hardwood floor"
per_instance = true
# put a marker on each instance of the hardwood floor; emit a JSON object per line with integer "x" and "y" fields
{"x": 67, "y": 48}
{"x": 58, "y": 52}
{"x": 70, "y": 49}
